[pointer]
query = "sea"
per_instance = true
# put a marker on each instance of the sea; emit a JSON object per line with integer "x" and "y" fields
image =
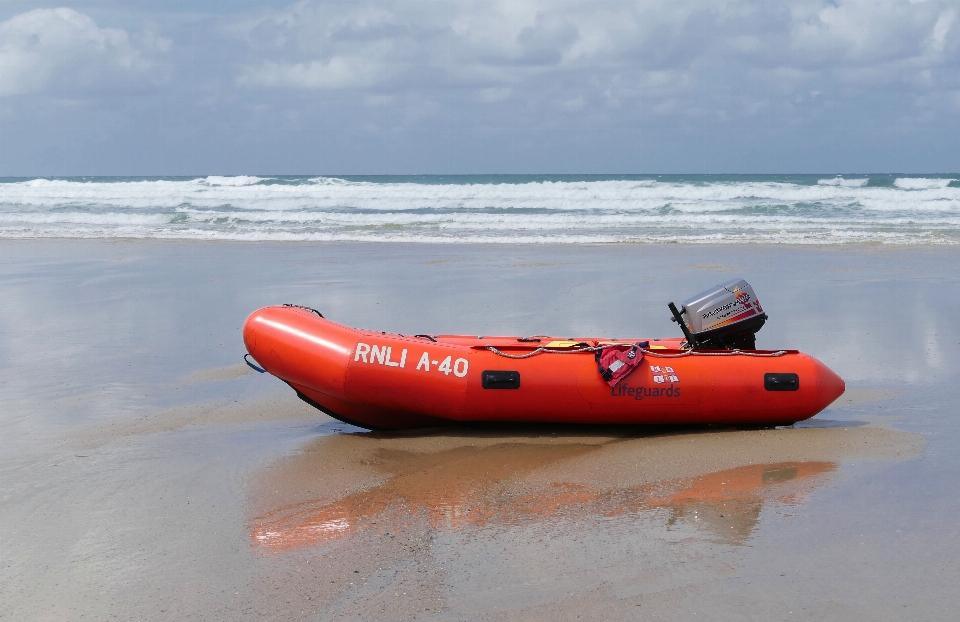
{"x": 529, "y": 209}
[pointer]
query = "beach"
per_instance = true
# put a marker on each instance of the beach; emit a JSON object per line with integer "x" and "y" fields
{"x": 147, "y": 473}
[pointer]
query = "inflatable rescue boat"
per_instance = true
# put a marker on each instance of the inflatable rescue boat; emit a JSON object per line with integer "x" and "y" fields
{"x": 712, "y": 375}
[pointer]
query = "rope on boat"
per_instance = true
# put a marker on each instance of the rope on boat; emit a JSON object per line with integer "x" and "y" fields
{"x": 646, "y": 352}
{"x": 310, "y": 309}
{"x": 246, "y": 359}
{"x": 541, "y": 351}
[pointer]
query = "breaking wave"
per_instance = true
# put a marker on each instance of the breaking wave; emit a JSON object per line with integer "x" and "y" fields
{"x": 840, "y": 181}
{"x": 491, "y": 209}
{"x": 921, "y": 183}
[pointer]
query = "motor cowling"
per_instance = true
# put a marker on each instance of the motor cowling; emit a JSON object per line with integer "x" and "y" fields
{"x": 724, "y": 317}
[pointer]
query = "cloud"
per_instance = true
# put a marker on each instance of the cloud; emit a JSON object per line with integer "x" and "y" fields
{"x": 625, "y": 47}
{"x": 941, "y": 29}
{"x": 364, "y": 69}
{"x": 546, "y": 41}
{"x": 868, "y": 31}
{"x": 368, "y": 45}
{"x": 64, "y": 51}
{"x": 336, "y": 73}
{"x": 495, "y": 94}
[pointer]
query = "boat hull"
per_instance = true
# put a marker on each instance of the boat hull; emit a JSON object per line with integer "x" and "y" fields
{"x": 388, "y": 381}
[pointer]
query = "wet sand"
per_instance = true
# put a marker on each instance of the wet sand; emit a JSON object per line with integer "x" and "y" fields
{"x": 148, "y": 474}
{"x": 499, "y": 478}
{"x": 375, "y": 504}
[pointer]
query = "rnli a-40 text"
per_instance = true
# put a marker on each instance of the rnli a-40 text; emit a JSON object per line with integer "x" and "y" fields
{"x": 383, "y": 355}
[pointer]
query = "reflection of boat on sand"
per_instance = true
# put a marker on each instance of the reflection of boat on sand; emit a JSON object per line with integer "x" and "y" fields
{"x": 390, "y": 381}
{"x": 726, "y": 503}
{"x": 354, "y": 488}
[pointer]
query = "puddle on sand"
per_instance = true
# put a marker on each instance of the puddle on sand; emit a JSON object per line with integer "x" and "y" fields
{"x": 725, "y": 504}
{"x": 341, "y": 486}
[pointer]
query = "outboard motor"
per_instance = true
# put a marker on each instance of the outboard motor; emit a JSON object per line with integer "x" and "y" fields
{"x": 725, "y": 317}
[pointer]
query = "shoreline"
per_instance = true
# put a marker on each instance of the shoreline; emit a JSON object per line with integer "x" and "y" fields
{"x": 858, "y": 246}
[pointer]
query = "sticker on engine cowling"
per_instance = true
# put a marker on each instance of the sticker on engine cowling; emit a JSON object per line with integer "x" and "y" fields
{"x": 740, "y": 308}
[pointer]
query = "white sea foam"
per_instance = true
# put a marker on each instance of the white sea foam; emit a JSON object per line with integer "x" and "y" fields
{"x": 239, "y": 180}
{"x": 696, "y": 210}
{"x": 599, "y": 195}
{"x": 848, "y": 183}
{"x": 921, "y": 183}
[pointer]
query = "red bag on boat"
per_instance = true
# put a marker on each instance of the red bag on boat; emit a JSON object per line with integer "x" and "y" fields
{"x": 616, "y": 362}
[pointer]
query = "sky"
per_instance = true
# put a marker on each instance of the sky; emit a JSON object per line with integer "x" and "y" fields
{"x": 441, "y": 87}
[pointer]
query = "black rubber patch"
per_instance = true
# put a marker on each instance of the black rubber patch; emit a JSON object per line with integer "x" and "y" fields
{"x": 781, "y": 382}
{"x": 500, "y": 379}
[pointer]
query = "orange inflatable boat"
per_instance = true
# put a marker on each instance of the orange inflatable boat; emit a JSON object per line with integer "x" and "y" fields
{"x": 381, "y": 380}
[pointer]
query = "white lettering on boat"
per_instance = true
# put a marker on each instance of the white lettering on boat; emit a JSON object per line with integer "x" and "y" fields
{"x": 388, "y": 361}
{"x": 445, "y": 366}
{"x": 362, "y": 350}
{"x": 383, "y": 355}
